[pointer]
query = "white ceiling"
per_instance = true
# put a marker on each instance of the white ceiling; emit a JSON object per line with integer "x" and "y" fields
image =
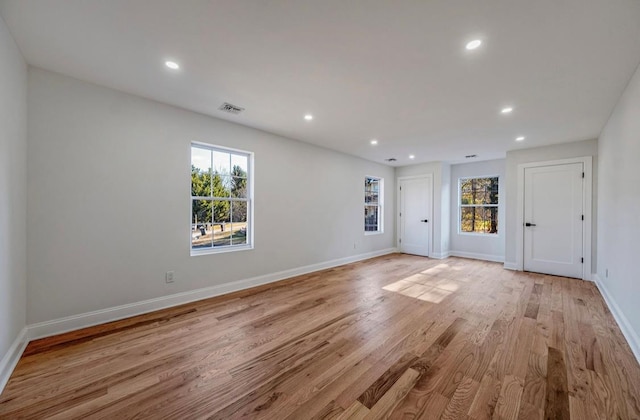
{"x": 396, "y": 71}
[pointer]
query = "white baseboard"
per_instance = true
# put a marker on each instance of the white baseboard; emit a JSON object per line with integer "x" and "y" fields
{"x": 625, "y": 326}
{"x": 439, "y": 255}
{"x": 88, "y": 319}
{"x": 511, "y": 266}
{"x": 476, "y": 256}
{"x": 11, "y": 358}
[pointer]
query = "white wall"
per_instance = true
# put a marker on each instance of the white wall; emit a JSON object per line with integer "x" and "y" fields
{"x": 441, "y": 173}
{"x": 489, "y": 247}
{"x": 109, "y": 200}
{"x": 445, "y": 223}
{"x": 13, "y": 191}
{"x": 541, "y": 154}
{"x": 618, "y": 207}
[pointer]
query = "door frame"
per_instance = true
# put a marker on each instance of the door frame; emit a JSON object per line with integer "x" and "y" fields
{"x": 429, "y": 178}
{"x": 587, "y": 200}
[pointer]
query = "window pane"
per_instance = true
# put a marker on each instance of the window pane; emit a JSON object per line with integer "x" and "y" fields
{"x": 370, "y": 218}
{"x": 479, "y": 191}
{"x": 480, "y": 225}
{"x": 239, "y": 187}
{"x": 239, "y": 164}
{"x": 221, "y": 223}
{"x": 491, "y": 217}
{"x": 201, "y": 159}
{"x": 239, "y": 222}
{"x": 466, "y": 219}
{"x": 221, "y": 163}
{"x": 200, "y": 172}
{"x": 479, "y": 219}
{"x": 201, "y": 224}
{"x": 221, "y": 186}
{"x": 492, "y": 190}
{"x": 371, "y": 185}
{"x": 466, "y": 196}
{"x": 227, "y": 183}
{"x": 371, "y": 190}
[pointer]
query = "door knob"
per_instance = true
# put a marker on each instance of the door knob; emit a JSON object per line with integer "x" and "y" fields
{"x": 529, "y": 224}
{"x": 424, "y": 221}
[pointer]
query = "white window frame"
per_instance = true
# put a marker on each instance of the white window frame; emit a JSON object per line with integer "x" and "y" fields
{"x": 460, "y": 206}
{"x": 249, "y": 200}
{"x": 380, "y": 229}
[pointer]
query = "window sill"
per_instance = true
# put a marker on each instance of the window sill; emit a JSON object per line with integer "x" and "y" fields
{"x": 378, "y": 232}
{"x": 220, "y": 250}
{"x": 484, "y": 235}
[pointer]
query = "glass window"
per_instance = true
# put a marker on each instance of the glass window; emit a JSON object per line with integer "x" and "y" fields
{"x": 373, "y": 204}
{"x": 220, "y": 199}
{"x": 479, "y": 205}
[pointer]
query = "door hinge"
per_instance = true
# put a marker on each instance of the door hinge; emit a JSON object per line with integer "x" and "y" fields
{"x": 583, "y": 174}
{"x": 583, "y": 217}
{"x": 400, "y": 188}
{"x": 400, "y": 240}
{"x": 400, "y": 214}
{"x": 582, "y": 260}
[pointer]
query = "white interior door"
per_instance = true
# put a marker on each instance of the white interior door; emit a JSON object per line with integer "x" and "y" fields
{"x": 415, "y": 215}
{"x": 553, "y": 219}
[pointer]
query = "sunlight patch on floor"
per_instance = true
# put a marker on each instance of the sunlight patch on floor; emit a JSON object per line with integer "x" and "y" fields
{"x": 437, "y": 269}
{"x": 398, "y": 286}
{"x": 448, "y": 285}
{"x": 434, "y": 295}
{"x": 424, "y": 286}
{"x": 420, "y": 279}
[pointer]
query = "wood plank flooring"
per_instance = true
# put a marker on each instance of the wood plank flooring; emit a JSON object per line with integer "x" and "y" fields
{"x": 394, "y": 337}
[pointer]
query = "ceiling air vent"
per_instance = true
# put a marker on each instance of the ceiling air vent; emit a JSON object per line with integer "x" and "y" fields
{"x": 231, "y": 109}
{"x": 391, "y": 159}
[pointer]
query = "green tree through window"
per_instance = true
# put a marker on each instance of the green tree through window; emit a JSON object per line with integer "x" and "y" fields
{"x": 220, "y": 201}
{"x": 479, "y": 205}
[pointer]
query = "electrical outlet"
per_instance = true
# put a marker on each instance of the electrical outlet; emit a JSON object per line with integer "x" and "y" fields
{"x": 169, "y": 276}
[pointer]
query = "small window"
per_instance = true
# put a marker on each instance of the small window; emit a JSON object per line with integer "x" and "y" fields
{"x": 220, "y": 199}
{"x": 479, "y": 205}
{"x": 373, "y": 200}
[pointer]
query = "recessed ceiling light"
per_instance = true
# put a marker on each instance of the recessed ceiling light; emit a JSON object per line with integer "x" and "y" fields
{"x": 374, "y": 142}
{"x": 308, "y": 117}
{"x": 507, "y": 110}
{"x": 472, "y": 45}
{"x": 412, "y": 156}
{"x": 172, "y": 65}
{"x": 520, "y": 138}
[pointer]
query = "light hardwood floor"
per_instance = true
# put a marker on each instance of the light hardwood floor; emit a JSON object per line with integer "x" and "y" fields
{"x": 393, "y": 337}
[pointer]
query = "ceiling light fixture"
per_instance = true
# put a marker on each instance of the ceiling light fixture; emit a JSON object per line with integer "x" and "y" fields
{"x": 308, "y": 117}
{"x": 472, "y": 45}
{"x": 374, "y": 142}
{"x": 172, "y": 65}
{"x": 507, "y": 110}
{"x": 412, "y": 156}
{"x": 520, "y": 138}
